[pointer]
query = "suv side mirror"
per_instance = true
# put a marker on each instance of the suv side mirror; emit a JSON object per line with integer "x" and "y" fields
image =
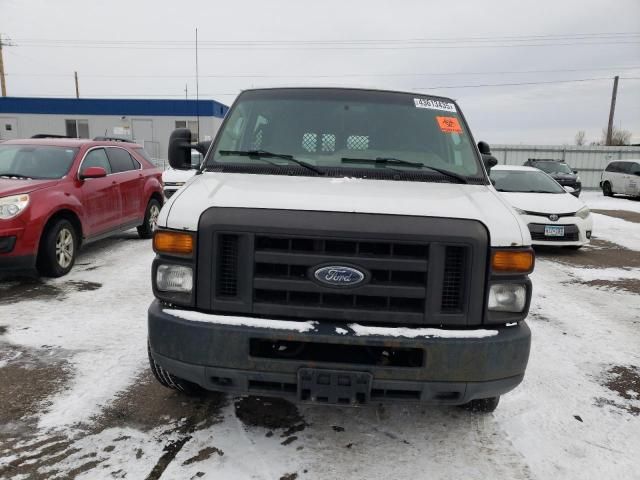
{"x": 489, "y": 160}
{"x": 180, "y": 149}
{"x": 575, "y": 171}
{"x": 93, "y": 172}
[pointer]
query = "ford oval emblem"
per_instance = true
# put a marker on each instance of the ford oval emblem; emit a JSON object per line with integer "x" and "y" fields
{"x": 339, "y": 276}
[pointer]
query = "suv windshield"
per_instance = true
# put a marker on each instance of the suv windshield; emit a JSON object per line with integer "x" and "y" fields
{"x": 350, "y": 132}
{"x": 524, "y": 181}
{"x": 35, "y": 161}
{"x": 553, "y": 167}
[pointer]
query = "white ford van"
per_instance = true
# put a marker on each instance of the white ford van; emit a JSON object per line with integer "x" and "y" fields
{"x": 341, "y": 246}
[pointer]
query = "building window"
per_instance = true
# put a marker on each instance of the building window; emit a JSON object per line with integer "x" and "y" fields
{"x": 77, "y": 128}
{"x": 191, "y": 125}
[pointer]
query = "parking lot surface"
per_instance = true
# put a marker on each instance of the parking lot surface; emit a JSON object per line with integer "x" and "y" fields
{"x": 78, "y": 400}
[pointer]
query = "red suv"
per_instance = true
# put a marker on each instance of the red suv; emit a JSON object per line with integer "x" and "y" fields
{"x": 59, "y": 194}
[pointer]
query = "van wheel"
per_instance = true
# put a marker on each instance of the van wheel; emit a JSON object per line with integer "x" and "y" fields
{"x": 150, "y": 218}
{"x": 58, "y": 249}
{"x": 606, "y": 189}
{"x": 168, "y": 380}
{"x": 482, "y": 405}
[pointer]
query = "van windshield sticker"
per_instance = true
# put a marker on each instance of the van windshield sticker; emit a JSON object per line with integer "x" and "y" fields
{"x": 434, "y": 104}
{"x": 449, "y": 124}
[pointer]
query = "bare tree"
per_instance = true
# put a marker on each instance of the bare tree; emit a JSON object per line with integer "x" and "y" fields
{"x": 581, "y": 137}
{"x": 618, "y": 136}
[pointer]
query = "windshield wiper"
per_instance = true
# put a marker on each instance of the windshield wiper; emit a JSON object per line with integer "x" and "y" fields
{"x": 405, "y": 163}
{"x": 15, "y": 175}
{"x": 262, "y": 154}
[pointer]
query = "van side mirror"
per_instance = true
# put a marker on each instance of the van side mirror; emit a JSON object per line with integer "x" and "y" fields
{"x": 202, "y": 147}
{"x": 575, "y": 171}
{"x": 180, "y": 149}
{"x": 487, "y": 158}
{"x": 484, "y": 148}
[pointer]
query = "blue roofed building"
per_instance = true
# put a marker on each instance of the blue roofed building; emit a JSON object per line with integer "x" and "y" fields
{"x": 147, "y": 121}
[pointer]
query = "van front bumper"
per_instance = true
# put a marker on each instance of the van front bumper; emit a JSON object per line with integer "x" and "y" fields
{"x": 478, "y": 363}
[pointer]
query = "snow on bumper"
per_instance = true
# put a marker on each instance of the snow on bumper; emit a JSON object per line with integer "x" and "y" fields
{"x": 455, "y": 365}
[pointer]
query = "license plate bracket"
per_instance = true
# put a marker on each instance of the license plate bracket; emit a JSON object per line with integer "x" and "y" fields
{"x": 553, "y": 231}
{"x": 334, "y": 387}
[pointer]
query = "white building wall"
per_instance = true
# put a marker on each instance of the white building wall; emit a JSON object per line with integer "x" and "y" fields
{"x": 100, "y": 125}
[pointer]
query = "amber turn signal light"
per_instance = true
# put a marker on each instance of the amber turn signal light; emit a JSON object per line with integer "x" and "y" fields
{"x": 176, "y": 243}
{"x": 512, "y": 261}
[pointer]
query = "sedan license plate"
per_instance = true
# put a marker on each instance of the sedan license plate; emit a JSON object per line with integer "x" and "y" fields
{"x": 553, "y": 231}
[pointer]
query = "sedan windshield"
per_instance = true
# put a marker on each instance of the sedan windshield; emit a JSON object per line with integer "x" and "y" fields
{"x": 35, "y": 161}
{"x": 525, "y": 181}
{"x": 553, "y": 167}
{"x": 350, "y": 131}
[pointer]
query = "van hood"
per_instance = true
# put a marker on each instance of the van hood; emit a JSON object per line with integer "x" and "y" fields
{"x": 16, "y": 186}
{"x": 448, "y": 200}
{"x": 173, "y": 175}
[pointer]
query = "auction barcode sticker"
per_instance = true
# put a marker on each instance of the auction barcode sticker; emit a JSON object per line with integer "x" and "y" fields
{"x": 434, "y": 104}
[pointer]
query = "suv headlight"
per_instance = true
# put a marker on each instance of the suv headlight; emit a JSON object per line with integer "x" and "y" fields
{"x": 174, "y": 278}
{"x": 519, "y": 211}
{"x": 12, "y": 206}
{"x": 583, "y": 213}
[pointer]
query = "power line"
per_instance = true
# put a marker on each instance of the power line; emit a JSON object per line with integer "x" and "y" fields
{"x": 259, "y": 46}
{"x": 513, "y": 38}
{"x": 345, "y": 75}
{"x": 439, "y": 87}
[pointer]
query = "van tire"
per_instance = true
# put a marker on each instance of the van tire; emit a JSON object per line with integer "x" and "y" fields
{"x": 58, "y": 249}
{"x": 150, "y": 218}
{"x": 482, "y": 405}
{"x": 606, "y": 189}
{"x": 168, "y": 380}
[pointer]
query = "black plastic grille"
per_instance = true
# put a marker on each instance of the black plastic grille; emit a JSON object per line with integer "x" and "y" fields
{"x": 227, "y": 278}
{"x": 571, "y": 233}
{"x": 396, "y": 283}
{"x": 453, "y": 282}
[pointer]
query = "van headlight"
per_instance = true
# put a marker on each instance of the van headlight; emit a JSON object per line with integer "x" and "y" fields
{"x": 507, "y": 297}
{"x": 583, "y": 213}
{"x": 174, "y": 278}
{"x": 12, "y": 206}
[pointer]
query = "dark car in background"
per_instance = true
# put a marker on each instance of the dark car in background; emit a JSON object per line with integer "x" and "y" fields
{"x": 559, "y": 171}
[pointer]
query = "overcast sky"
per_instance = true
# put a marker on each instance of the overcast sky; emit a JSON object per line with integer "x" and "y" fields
{"x": 146, "y": 49}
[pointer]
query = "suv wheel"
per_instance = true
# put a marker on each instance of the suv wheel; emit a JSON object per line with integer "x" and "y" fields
{"x": 58, "y": 249}
{"x": 150, "y": 218}
{"x": 606, "y": 189}
{"x": 482, "y": 405}
{"x": 168, "y": 380}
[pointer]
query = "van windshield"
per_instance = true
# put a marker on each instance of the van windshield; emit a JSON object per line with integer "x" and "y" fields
{"x": 329, "y": 131}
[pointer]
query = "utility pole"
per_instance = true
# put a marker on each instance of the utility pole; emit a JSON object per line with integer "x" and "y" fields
{"x": 75, "y": 75}
{"x": 612, "y": 111}
{"x": 197, "y": 90}
{"x": 3, "y": 82}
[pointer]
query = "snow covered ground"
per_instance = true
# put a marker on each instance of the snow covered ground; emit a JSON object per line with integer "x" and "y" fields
{"x": 78, "y": 401}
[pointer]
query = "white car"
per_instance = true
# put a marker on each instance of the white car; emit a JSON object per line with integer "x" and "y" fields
{"x": 552, "y": 214}
{"x": 621, "y": 176}
{"x": 173, "y": 179}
